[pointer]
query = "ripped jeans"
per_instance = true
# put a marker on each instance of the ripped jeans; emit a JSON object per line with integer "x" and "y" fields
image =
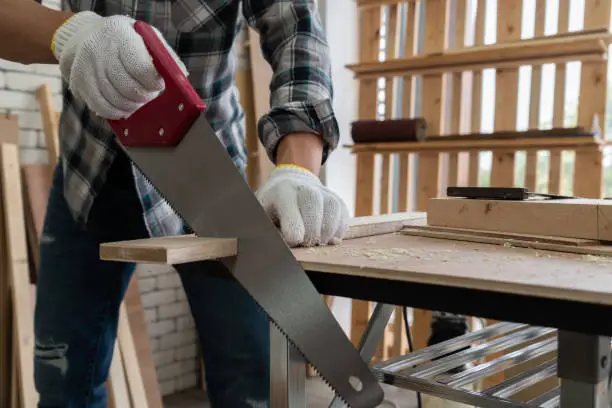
{"x": 78, "y": 298}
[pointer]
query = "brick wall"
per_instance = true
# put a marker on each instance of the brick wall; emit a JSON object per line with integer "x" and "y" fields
{"x": 170, "y": 325}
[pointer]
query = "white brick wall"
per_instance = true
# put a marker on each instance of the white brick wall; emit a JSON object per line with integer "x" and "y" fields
{"x": 170, "y": 325}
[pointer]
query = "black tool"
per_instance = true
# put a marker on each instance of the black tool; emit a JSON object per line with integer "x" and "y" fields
{"x": 499, "y": 193}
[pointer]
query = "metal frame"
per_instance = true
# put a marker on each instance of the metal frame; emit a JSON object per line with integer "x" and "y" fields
{"x": 582, "y": 363}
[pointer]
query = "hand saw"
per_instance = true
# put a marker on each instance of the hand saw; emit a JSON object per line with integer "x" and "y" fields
{"x": 173, "y": 145}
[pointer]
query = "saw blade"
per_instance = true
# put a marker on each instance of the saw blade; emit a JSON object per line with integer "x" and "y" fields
{"x": 201, "y": 183}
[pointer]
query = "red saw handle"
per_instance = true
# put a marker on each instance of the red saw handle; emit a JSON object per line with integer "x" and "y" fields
{"x": 166, "y": 119}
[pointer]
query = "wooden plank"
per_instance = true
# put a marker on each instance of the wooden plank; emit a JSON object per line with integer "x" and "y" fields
{"x": 573, "y": 218}
{"x": 508, "y": 236}
{"x": 369, "y": 39}
{"x": 406, "y": 161}
{"x": 589, "y": 46}
{"x": 506, "y": 91}
{"x": 261, "y": 77}
{"x": 17, "y": 256}
{"x": 50, "y": 124}
{"x": 435, "y": 40}
{"x": 555, "y": 170}
{"x": 171, "y": 250}
{"x": 496, "y": 268}
{"x": 531, "y": 159}
{"x": 118, "y": 393}
{"x": 458, "y": 161}
{"x": 189, "y": 248}
{"x": 6, "y": 333}
{"x": 476, "y": 95}
{"x": 9, "y": 129}
{"x": 138, "y": 328}
{"x": 37, "y": 180}
{"x": 597, "y": 250}
{"x": 435, "y": 112}
{"x": 591, "y": 105}
{"x": 130, "y": 361}
{"x": 457, "y": 144}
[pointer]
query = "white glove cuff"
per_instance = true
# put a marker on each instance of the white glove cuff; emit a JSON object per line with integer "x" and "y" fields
{"x": 295, "y": 172}
{"x": 70, "y": 28}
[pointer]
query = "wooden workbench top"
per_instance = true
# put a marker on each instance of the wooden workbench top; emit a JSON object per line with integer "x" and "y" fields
{"x": 375, "y": 248}
{"x": 488, "y": 267}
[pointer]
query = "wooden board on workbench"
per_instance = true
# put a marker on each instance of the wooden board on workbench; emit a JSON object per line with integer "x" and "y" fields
{"x": 560, "y": 244}
{"x": 471, "y": 265}
{"x": 573, "y": 218}
{"x": 187, "y": 248}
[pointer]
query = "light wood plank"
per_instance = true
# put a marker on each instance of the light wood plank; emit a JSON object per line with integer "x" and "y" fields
{"x": 23, "y": 315}
{"x": 189, "y": 248}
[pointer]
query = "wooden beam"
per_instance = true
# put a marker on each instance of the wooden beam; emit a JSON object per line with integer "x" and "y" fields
{"x": 572, "y": 218}
{"x": 584, "y": 47}
{"x": 17, "y": 255}
{"x": 457, "y": 144}
{"x": 50, "y": 123}
{"x": 189, "y": 248}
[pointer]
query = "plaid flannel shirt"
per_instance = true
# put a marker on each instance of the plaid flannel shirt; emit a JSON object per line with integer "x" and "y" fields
{"x": 202, "y": 32}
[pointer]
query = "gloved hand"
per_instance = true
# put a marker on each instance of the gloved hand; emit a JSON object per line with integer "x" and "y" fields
{"x": 307, "y": 212}
{"x": 106, "y": 64}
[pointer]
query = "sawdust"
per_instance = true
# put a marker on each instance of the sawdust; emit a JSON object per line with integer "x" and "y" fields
{"x": 597, "y": 259}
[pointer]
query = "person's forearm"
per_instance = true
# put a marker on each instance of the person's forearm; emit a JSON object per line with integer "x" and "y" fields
{"x": 301, "y": 149}
{"x": 26, "y": 30}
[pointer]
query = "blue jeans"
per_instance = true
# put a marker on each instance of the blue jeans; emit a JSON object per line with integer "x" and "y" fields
{"x": 78, "y": 300}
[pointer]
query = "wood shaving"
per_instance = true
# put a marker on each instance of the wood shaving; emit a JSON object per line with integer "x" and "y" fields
{"x": 597, "y": 259}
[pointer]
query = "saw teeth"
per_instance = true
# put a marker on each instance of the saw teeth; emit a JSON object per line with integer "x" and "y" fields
{"x": 269, "y": 318}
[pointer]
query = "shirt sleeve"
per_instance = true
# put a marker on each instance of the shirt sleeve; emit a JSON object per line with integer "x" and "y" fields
{"x": 293, "y": 42}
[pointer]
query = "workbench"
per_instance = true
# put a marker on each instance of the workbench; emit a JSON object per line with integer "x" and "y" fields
{"x": 535, "y": 293}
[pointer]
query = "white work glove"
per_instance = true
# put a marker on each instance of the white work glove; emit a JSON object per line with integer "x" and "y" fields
{"x": 106, "y": 63}
{"x": 307, "y": 212}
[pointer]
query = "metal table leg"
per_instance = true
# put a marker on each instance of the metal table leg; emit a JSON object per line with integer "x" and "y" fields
{"x": 371, "y": 337}
{"x": 583, "y": 363}
{"x": 287, "y": 373}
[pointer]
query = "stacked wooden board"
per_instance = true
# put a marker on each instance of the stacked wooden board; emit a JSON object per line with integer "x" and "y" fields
{"x": 569, "y": 225}
{"x": 24, "y": 190}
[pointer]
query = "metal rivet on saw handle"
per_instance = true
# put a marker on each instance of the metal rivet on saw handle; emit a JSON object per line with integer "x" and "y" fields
{"x": 181, "y": 107}
{"x": 125, "y": 132}
{"x": 161, "y": 131}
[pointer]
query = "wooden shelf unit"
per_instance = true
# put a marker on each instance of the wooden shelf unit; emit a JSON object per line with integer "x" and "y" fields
{"x": 434, "y": 69}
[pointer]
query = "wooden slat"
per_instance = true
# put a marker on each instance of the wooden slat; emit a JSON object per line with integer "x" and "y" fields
{"x": 17, "y": 255}
{"x": 506, "y": 92}
{"x": 507, "y": 54}
{"x": 531, "y": 160}
{"x": 370, "y": 20}
{"x": 555, "y": 170}
{"x": 50, "y": 124}
{"x": 261, "y": 76}
{"x": 406, "y": 189}
{"x": 476, "y": 97}
{"x": 118, "y": 393}
{"x": 9, "y": 133}
{"x": 435, "y": 40}
{"x": 433, "y": 110}
{"x": 171, "y": 250}
{"x": 457, "y": 144}
{"x": 457, "y": 165}
{"x": 581, "y": 217}
{"x": 140, "y": 335}
{"x": 129, "y": 357}
{"x": 9, "y": 129}
{"x": 592, "y": 103}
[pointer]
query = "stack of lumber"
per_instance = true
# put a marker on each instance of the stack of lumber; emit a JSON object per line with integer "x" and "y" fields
{"x": 574, "y": 225}
{"x": 24, "y": 191}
